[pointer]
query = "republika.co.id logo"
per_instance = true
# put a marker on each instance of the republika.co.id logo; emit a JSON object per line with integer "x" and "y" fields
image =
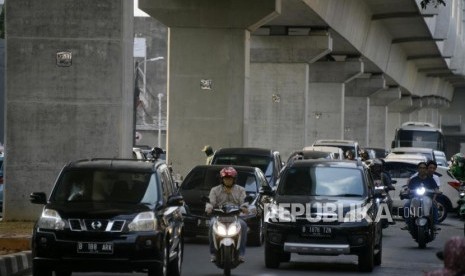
{"x": 325, "y": 212}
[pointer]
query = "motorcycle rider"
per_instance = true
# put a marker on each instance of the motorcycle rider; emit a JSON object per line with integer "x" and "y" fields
{"x": 379, "y": 174}
{"x": 417, "y": 181}
{"x": 228, "y": 193}
{"x": 431, "y": 169}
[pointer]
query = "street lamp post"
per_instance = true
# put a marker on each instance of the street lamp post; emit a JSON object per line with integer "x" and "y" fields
{"x": 144, "y": 78}
{"x": 160, "y": 96}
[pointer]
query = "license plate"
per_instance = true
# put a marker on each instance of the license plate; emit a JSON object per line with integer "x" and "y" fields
{"x": 316, "y": 231}
{"x": 95, "y": 247}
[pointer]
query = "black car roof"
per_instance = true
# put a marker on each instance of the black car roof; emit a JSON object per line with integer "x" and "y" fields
{"x": 115, "y": 164}
{"x": 219, "y": 167}
{"x": 244, "y": 151}
{"x": 327, "y": 162}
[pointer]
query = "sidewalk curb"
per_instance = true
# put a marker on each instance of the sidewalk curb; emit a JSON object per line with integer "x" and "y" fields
{"x": 15, "y": 263}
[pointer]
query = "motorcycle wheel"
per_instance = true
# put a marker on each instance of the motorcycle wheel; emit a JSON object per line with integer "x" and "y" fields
{"x": 421, "y": 237}
{"x": 227, "y": 260}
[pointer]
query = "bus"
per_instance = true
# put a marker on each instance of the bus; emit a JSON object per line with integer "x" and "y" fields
{"x": 419, "y": 135}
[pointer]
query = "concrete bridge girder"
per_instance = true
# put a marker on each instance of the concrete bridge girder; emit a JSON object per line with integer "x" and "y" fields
{"x": 365, "y": 85}
{"x": 292, "y": 49}
{"x": 335, "y": 71}
{"x": 384, "y": 97}
{"x": 243, "y": 14}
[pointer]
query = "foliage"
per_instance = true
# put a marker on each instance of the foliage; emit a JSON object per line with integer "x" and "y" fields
{"x": 436, "y": 3}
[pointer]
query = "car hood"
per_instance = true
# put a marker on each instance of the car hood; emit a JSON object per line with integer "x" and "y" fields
{"x": 98, "y": 209}
{"x": 345, "y": 201}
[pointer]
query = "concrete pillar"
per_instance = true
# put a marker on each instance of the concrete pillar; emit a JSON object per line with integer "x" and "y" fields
{"x": 378, "y": 120}
{"x": 327, "y": 83}
{"x": 276, "y": 106}
{"x": 208, "y": 72}
{"x": 70, "y": 95}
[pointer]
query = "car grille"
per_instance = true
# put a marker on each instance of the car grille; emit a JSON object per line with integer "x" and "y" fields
{"x": 96, "y": 225}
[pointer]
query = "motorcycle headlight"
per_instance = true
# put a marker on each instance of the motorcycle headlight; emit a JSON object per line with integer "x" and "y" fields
{"x": 145, "y": 221}
{"x": 226, "y": 230}
{"x": 50, "y": 219}
{"x": 462, "y": 194}
{"x": 420, "y": 191}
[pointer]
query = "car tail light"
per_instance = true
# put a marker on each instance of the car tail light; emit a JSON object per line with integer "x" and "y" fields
{"x": 455, "y": 184}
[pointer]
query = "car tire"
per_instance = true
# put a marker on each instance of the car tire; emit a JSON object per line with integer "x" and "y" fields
{"x": 161, "y": 269}
{"x": 285, "y": 257}
{"x": 366, "y": 259}
{"x": 379, "y": 255}
{"x": 63, "y": 273}
{"x": 272, "y": 256}
{"x": 442, "y": 209}
{"x": 175, "y": 266}
{"x": 41, "y": 271}
{"x": 256, "y": 239}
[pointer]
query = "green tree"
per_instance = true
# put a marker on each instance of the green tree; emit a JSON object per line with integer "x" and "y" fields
{"x": 436, "y": 3}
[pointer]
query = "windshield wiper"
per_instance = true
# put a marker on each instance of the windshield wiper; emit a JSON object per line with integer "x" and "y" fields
{"x": 348, "y": 195}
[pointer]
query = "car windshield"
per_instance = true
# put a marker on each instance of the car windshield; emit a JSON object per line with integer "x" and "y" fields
{"x": 205, "y": 180}
{"x": 322, "y": 181}
{"x": 262, "y": 162}
{"x": 107, "y": 186}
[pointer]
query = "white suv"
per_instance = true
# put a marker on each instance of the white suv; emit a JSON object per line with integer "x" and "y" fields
{"x": 345, "y": 145}
{"x": 402, "y": 170}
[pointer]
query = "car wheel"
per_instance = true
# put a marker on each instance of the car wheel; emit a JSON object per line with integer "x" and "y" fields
{"x": 256, "y": 239}
{"x": 40, "y": 271}
{"x": 162, "y": 268}
{"x": 285, "y": 257}
{"x": 442, "y": 209}
{"x": 175, "y": 265}
{"x": 366, "y": 259}
{"x": 379, "y": 253}
{"x": 63, "y": 273}
{"x": 272, "y": 256}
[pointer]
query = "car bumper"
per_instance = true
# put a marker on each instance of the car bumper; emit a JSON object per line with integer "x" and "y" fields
{"x": 351, "y": 238}
{"x": 130, "y": 252}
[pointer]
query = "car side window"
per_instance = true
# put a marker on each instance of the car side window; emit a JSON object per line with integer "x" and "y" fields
{"x": 166, "y": 184}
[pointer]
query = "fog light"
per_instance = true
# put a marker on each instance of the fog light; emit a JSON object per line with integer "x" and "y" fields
{"x": 275, "y": 237}
{"x": 357, "y": 240}
{"x": 43, "y": 240}
{"x": 148, "y": 243}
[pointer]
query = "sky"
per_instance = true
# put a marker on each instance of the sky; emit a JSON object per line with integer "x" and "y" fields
{"x": 137, "y": 12}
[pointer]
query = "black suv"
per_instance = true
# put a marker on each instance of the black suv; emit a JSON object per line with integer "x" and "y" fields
{"x": 110, "y": 215}
{"x": 267, "y": 160}
{"x": 323, "y": 207}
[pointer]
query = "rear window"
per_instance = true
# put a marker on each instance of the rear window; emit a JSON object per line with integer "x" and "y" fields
{"x": 106, "y": 186}
{"x": 322, "y": 181}
{"x": 264, "y": 163}
{"x": 207, "y": 179}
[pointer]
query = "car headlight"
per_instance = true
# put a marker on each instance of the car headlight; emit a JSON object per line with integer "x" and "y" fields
{"x": 50, "y": 219}
{"x": 145, "y": 221}
{"x": 226, "y": 230}
{"x": 420, "y": 191}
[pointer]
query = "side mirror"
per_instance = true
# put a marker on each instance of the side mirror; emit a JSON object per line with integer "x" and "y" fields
{"x": 266, "y": 190}
{"x": 205, "y": 199}
{"x": 175, "y": 200}
{"x": 38, "y": 198}
{"x": 249, "y": 199}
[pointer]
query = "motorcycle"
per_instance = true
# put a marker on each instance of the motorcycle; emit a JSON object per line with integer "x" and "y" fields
{"x": 226, "y": 236}
{"x": 421, "y": 225}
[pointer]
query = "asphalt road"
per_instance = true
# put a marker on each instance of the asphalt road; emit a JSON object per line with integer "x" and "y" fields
{"x": 401, "y": 256}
